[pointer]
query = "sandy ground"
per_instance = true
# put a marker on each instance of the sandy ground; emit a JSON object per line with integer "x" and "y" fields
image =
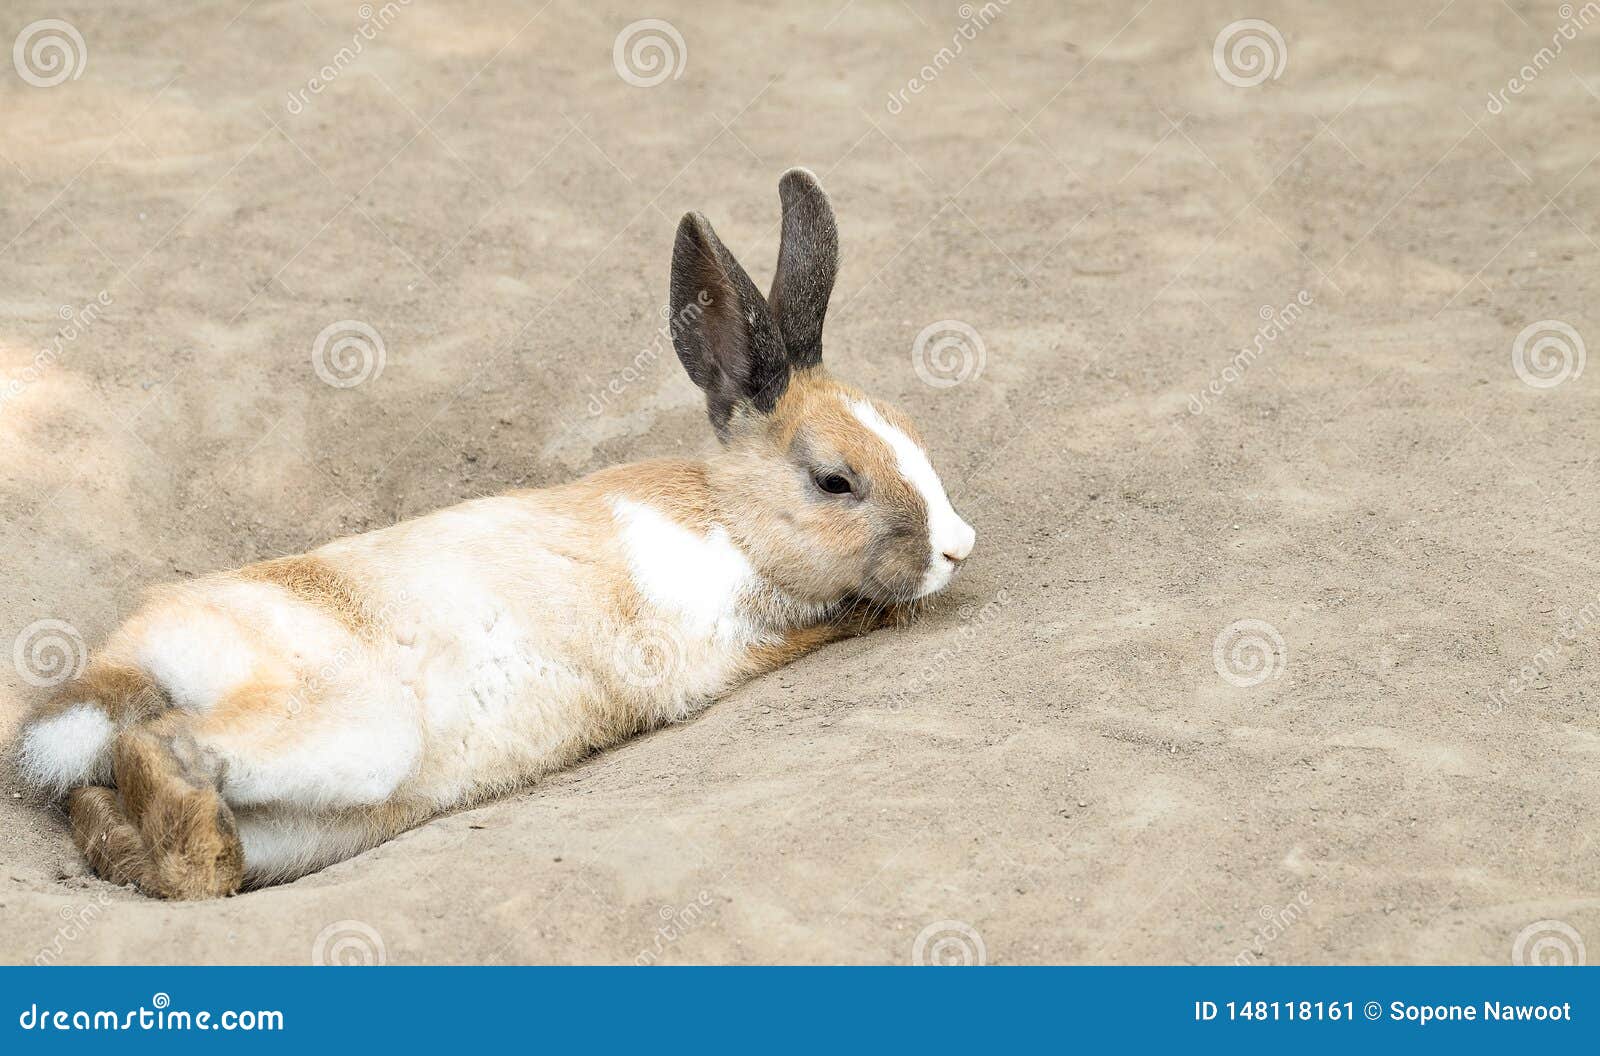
{"x": 1063, "y": 763}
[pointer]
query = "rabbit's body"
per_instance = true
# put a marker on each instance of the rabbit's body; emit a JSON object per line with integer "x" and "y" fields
{"x": 389, "y": 676}
{"x": 260, "y": 724}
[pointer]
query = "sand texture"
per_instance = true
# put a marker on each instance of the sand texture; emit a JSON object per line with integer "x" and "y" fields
{"x": 1281, "y": 639}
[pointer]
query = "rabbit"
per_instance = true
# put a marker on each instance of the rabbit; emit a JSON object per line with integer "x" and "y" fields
{"x": 250, "y": 727}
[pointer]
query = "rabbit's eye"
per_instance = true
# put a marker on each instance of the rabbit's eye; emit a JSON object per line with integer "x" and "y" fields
{"x": 834, "y": 484}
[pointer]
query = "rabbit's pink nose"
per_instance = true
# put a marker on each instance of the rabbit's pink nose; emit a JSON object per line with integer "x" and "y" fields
{"x": 956, "y": 550}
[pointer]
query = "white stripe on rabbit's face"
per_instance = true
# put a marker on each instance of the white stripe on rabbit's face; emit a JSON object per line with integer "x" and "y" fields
{"x": 950, "y": 538}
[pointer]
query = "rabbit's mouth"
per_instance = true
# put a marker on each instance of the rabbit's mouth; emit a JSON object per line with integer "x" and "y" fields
{"x": 908, "y": 576}
{"x": 941, "y": 572}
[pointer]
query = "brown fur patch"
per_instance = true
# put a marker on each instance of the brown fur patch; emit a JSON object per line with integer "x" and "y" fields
{"x": 107, "y": 839}
{"x": 267, "y": 712}
{"x": 677, "y": 487}
{"x": 861, "y": 618}
{"x": 187, "y": 829}
{"x": 126, "y": 694}
{"x": 315, "y": 582}
{"x": 814, "y": 395}
{"x": 769, "y": 656}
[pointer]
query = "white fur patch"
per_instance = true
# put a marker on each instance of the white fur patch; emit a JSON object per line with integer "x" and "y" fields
{"x": 68, "y": 749}
{"x": 196, "y": 656}
{"x": 698, "y": 578}
{"x": 356, "y": 739}
{"x": 947, "y": 532}
{"x": 358, "y": 761}
{"x": 496, "y": 672}
{"x": 284, "y": 846}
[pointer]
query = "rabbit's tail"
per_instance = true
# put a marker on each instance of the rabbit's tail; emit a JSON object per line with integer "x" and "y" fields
{"x": 144, "y": 807}
{"x": 67, "y": 742}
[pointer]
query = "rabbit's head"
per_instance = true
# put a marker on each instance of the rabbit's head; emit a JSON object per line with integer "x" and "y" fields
{"x": 830, "y": 492}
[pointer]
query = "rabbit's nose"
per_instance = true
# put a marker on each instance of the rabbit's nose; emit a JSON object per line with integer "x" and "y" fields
{"x": 958, "y": 549}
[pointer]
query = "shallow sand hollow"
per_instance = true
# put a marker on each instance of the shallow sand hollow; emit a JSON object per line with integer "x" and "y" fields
{"x": 1069, "y": 760}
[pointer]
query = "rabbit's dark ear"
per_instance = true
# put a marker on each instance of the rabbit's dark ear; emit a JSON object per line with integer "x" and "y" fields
{"x": 722, "y": 328}
{"x": 808, "y": 262}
